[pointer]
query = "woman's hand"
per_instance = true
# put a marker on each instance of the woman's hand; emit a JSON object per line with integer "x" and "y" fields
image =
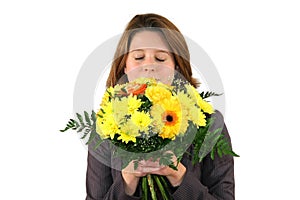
{"x": 175, "y": 177}
{"x": 131, "y": 178}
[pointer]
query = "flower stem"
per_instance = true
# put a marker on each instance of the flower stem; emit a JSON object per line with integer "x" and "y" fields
{"x": 164, "y": 183}
{"x": 161, "y": 188}
{"x": 151, "y": 186}
{"x": 145, "y": 188}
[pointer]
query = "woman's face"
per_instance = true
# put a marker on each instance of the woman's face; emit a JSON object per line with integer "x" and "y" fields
{"x": 149, "y": 56}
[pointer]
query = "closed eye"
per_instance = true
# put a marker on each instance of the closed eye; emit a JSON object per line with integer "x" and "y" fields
{"x": 139, "y": 58}
{"x": 160, "y": 60}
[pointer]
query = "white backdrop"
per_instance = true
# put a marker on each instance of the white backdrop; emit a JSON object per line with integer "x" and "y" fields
{"x": 254, "y": 45}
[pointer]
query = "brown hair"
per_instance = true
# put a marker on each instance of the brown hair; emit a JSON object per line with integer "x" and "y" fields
{"x": 172, "y": 35}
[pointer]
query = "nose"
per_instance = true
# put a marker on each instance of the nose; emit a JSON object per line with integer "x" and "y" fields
{"x": 149, "y": 63}
{"x": 149, "y": 68}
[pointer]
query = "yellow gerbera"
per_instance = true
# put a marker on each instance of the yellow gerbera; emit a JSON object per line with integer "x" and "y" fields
{"x": 172, "y": 118}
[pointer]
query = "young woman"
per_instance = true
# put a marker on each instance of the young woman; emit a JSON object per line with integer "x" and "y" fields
{"x": 149, "y": 45}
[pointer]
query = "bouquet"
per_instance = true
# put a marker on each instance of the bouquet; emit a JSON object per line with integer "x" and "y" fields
{"x": 147, "y": 119}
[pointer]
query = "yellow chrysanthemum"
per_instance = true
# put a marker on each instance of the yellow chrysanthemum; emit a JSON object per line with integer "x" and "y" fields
{"x": 157, "y": 93}
{"x": 202, "y": 120}
{"x": 108, "y": 93}
{"x": 204, "y": 105}
{"x": 143, "y": 80}
{"x": 106, "y": 109}
{"x": 157, "y": 112}
{"x": 107, "y": 127}
{"x": 133, "y": 104}
{"x": 120, "y": 109}
{"x": 126, "y": 138}
{"x": 141, "y": 119}
{"x": 128, "y": 132}
{"x": 194, "y": 112}
{"x": 188, "y": 110}
{"x": 99, "y": 122}
{"x": 117, "y": 88}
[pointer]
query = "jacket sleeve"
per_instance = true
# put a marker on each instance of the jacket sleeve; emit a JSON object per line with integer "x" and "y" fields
{"x": 216, "y": 179}
{"x": 103, "y": 182}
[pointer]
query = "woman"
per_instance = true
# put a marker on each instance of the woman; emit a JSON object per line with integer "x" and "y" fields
{"x": 151, "y": 43}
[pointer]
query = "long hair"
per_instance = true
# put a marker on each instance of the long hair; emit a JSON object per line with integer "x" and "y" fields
{"x": 171, "y": 34}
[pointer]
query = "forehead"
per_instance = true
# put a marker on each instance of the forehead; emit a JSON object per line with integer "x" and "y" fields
{"x": 148, "y": 40}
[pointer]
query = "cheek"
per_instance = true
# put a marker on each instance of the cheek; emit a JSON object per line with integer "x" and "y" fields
{"x": 130, "y": 65}
{"x": 171, "y": 65}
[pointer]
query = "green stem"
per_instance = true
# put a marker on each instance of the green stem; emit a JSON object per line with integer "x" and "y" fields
{"x": 161, "y": 188}
{"x": 145, "y": 188}
{"x": 151, "y": 186}
{"x": 165, "y": 184}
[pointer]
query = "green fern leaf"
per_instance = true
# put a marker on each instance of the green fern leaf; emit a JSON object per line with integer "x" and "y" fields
{"x": 87, "y": 118}
{"x": 92, "y": 136}
{"x": 70, "y": 125}
{"x": 205, "y": 95}
{"x": 80, "y": 119}
{"x": 93, "y": 116}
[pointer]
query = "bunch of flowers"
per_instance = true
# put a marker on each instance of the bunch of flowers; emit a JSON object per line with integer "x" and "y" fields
{"x": 143, "y": 109}
{"x": 147, "y": 116}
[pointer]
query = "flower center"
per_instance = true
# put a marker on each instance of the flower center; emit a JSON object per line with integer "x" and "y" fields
{"x": 169, "y": 118}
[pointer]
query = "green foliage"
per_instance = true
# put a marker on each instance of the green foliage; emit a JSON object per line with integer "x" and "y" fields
{"x": 199, "y": 140}
{"x": 211, "y": 142}
{"x": 208, "y": 94}
{"x": 146, "y": 105}
{"x": 203, "y": 141}
{"x": 87, "y": 126}
{"x": 72, "y": 124}
{"x": 222, "y": 147}
{"x": 142, "y": 145}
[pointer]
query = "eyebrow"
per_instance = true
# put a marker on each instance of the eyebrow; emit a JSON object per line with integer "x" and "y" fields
{"x": 158, "y": 50}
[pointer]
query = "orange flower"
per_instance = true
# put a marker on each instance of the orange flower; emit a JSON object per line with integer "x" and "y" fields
{"x": 132, "y": 88}
{"x": 136, "y": 89}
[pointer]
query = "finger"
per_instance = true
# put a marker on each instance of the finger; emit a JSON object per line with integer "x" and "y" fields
{"x": 149, "y": 169}
{"x": 148, "y": 163}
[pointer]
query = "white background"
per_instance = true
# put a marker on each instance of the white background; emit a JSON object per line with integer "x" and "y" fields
{"x": 254, "y": 44}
